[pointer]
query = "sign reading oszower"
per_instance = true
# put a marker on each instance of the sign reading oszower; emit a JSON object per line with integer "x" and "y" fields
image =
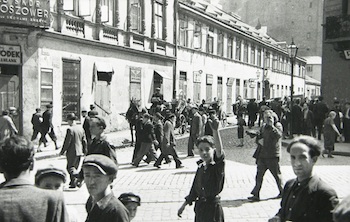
{"x": 25, "y": 12}
{"x": 10, "y": 54}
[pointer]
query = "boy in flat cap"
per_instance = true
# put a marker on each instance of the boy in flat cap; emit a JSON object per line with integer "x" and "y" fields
{"x": 131, "y": 201}
{"x": 102, "y": 205}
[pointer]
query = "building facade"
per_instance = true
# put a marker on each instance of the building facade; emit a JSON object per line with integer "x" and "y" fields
{"x": 218, "y": 56}
{"x": 302, "y": 17}
{"x": 73, "y": 53}
{"x": 336, "y": 51}
{"x": 77, "y": 53}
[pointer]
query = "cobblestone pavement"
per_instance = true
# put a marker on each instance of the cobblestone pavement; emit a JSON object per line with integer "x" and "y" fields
{"x": 163, "y": 190}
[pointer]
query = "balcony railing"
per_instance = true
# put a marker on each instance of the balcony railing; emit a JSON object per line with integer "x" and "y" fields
{"x": 110, "y": 33}
{"x": 337, "y": 27}
{"x": 75, "y": 25}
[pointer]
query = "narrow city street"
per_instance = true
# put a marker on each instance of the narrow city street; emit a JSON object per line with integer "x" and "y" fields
{"x": 163, "y": 190}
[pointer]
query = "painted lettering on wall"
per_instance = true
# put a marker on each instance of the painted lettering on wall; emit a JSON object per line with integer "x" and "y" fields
{"x": 10, "y": 54}
{"x": 25, "y": 12}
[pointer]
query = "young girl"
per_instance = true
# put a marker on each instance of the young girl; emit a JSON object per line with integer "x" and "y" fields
{"x": 209, "y": 180}
{"x": 240, "y": 129}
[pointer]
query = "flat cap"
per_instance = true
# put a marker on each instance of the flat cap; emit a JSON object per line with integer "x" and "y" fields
{"x": 47, "y": 171}
{"x": 93, "y": 113}
{"x": 130, "y": 197}
{"x": 49, "y": 105}
{"x": 103, "y": 163}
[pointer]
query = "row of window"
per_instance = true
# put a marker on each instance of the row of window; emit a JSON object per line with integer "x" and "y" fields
{"x": 193, "y": 34}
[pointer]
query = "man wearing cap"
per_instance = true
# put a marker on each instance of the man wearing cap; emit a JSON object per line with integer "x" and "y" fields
{"x": 102, "y": 205}
{"x": 20, "y": 199}
{"x": 74, "y": 146}
{"x": 196, "y": 126}
{"x": 47, "y": 127}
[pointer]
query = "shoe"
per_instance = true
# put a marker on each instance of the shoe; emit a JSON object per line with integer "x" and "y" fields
{"x": 254, "y": 198}
{"x": 330, "y": 156}
{"x": 157, "y": 165}
{"x": 190, "y": 155}
{"x": 180, "y": 166}
{"x": 39, "y": 150}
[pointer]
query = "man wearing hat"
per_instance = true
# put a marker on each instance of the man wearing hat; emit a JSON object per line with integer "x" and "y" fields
{"x": 36, "y": 121}
{"x": 74, "y": 146}
{"x": 47, "y": 127}
{"x": 195, "y": 129}
{"x": 102, "y": 205}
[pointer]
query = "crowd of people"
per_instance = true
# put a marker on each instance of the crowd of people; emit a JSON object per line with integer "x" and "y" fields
{"x": 92, "y": 159}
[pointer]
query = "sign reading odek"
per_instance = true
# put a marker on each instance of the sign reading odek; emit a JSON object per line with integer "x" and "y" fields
{"x": 25, "y": 12}
{"x": 10, "y": 55}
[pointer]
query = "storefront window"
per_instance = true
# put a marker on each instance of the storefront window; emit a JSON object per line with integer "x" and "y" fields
{"x": 46, "y": 88}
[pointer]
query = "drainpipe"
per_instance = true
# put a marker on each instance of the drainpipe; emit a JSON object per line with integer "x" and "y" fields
{"x": 175, "y": 43}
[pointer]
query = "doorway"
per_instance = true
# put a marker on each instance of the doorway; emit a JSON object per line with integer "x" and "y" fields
{"x": 10, "y": 91}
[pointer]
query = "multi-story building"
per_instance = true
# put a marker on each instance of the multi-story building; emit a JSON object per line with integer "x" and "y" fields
{"x": 300, "y": 19}
{"x": 220, "y": 56}
{"x": 81, "y": 52}
{"x": 336, "y": 51}
{"x": 106, "y": 52}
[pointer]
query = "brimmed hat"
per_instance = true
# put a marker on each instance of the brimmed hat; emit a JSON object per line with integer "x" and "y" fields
{"x": 49, "y": 106}
{"x": 71, "y": 116}
{"x": 50, "y": 170}
{"x": 103, "y": 163}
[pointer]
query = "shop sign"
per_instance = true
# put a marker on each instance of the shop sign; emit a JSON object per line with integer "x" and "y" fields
{"x": 230, "y": 81}
{"x": 197, "y": 76}
{"x": 209, "y": 79}
{"x": 25, "y": 12}
{"x": 135, "y": 74}
{"x": 10, "y": 55}
{"x": 347, "y": 54}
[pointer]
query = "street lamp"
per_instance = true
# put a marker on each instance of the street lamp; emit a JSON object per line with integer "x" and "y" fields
{"x": 292, "y": 52}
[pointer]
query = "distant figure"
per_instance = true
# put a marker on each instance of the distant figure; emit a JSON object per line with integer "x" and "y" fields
{"x": 36, "y": 121}
{"x": 320, "y": 113}
{"x": 131, "y": 202}
{"x": 329, "y": 133}
{"x": 308, "y": 120}
{"x": 252, "y": 109}
{"x": 47, "y": 127}
{"x": 297, "y": 118}
{"x": 195, "y": 129}
{"x": 74, "y": 146}
{"x": 306, "y": 198}
{"x": 240, "y": 130}
{"x": 7, "y": 127}
{"x": 157, "y": 100}
{"x": 20, "y": 199}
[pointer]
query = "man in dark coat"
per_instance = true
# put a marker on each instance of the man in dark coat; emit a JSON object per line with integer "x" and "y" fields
{"x": 196, "y": 126}
{"x": 20, "y": 199}
{"x": 47, "y": 127}
{"x": 36, "y": 122}
{"x": 306, "y": 198}
{"x": 297, "y": 118}
{"x": 252, "y": 109}
{"x": 320, "y": 113}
